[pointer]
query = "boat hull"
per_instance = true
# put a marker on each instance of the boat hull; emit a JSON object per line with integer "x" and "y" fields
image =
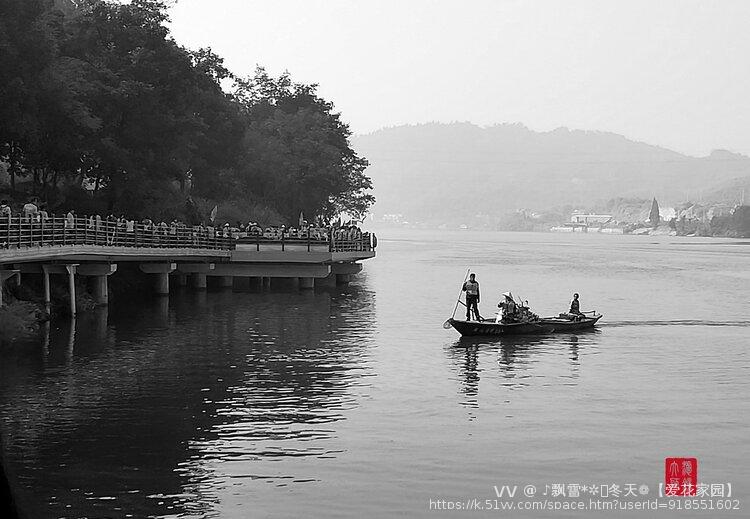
{"x": 543, "y": 326}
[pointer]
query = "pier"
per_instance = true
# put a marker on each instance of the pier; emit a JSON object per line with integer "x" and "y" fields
{"x": 180, "y": 255}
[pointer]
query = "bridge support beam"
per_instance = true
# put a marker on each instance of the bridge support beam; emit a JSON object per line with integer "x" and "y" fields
{"x": 226, "y": 281}
{"x": 198, "y": 280}
{"x": 346, "y": 267}
{"x": 327, "y": 282}
{"x": 306, "y": 283}
{"x": 70, "y": 270}
{"x": 272, "y": 270}
{"x": 198, "y": 272}
{"x": 72, "y": 287}
{"x": 99, "y": 290}
{"x": 160, "y": 273}
{"x": 202, "y": 268}
{"x": 266, "y": 283}
{"x": 182, "y": 280}
{"x": 98, "y": 283}
{"x": 47, "y": 292}
{"x": 161, "y": 283}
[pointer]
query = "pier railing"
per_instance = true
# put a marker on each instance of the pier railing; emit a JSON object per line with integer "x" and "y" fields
{"x": 365, "y": 242}
{"x": 23, "y": 231}
{"x": 19, "y": 231}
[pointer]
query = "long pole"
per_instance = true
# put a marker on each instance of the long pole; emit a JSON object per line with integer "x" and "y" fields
{"x": 458, "y": 299}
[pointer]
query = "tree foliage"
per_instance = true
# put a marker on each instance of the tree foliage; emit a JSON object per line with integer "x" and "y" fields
{"x": 97, "y": 93}
{"x": 295, "y": 149}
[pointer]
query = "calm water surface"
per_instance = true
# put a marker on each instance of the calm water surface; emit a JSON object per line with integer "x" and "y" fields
{"x": 356, "y": 402}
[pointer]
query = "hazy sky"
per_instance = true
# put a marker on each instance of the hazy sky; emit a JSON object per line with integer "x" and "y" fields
{"x": 669, "y": 72}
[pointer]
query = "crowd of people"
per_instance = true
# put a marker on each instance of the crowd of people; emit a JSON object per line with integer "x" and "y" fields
{"x": 303, "y": 232}
{"x": 120, "y": 230}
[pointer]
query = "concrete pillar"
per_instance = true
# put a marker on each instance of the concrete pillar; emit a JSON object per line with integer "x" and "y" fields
{"x": 226, "y": 281}
{"x": 198, "y": 272}
{"x": 47, "y": 292}
{"x": 160, "y": 273}
{"x": 161, "y": 283}
{"x": 306, "y": 283}
{"x": 266, "y": 283}
{"x": 98, "y": 272}
{"x": 326, "y": 282}
{"x": 182, "y": 280}
{"x": 99, "y": 289}
{"x": 72, "y": 288}
{"x": 343, "y": 279}
{"x": 198, "y": 280}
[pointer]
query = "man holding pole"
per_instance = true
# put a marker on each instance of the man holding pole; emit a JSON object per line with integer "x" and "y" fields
{"x": 471, "y": 287}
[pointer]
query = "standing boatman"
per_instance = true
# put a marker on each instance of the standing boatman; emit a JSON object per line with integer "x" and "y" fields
{"x": 471, "y": 288}
{"x": 575, "y": 306}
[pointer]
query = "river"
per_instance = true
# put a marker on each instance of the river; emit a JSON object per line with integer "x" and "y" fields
{"x": 356, "y": 401}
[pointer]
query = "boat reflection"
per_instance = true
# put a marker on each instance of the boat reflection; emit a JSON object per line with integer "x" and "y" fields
{"x": 516, "y": 358}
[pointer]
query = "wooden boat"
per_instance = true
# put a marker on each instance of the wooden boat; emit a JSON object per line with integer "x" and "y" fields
{"x": 541, "y": 326}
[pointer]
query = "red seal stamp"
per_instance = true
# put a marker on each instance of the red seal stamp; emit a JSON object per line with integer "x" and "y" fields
{"x": 680, "y": 476}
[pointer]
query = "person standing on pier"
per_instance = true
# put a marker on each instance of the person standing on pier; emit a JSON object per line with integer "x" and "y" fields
{"x": 30, "y": 210}
{"x": 471, "y": 288}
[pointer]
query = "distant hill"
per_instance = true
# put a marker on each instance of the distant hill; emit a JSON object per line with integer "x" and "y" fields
{"x": 729, "y": 192}
{"x": 442, "y": 171}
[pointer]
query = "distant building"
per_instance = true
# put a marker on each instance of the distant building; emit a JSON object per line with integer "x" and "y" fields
{"x": 692, "y": 211}
{"x": 667, "y": 213}
{"x": 588, "y": 219}
{"x": 720, "y": 210}
{"x": 392, "y": 218}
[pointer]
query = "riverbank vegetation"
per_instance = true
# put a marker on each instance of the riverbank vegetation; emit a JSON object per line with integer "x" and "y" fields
{"x": 18, "y": 319}
{"x": 104, "y": 112}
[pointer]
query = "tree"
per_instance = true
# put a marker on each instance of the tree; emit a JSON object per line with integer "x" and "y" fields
{"x": 28, "y": 50}
{"x": 296, "y": 152}
{"x": 97, "y": 91}
{"x": 653, "y": 215}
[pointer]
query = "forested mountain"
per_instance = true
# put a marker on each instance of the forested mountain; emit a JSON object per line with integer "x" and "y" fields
{"x": 443, "y": 171}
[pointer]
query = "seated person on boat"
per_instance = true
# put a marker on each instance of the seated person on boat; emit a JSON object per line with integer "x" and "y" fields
{"x": 512, "y": 312}
{"x": 574, "y": 314}
{"x": 507, "y": 306}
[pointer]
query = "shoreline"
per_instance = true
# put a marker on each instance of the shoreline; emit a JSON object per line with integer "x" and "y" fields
{"x": 386, "y": 229}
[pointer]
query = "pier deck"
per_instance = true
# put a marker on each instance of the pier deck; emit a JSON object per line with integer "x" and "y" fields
{"x": 93, "y": 247}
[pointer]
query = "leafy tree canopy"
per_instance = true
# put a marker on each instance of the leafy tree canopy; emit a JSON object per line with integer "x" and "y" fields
{"x": 96, "y": 93}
